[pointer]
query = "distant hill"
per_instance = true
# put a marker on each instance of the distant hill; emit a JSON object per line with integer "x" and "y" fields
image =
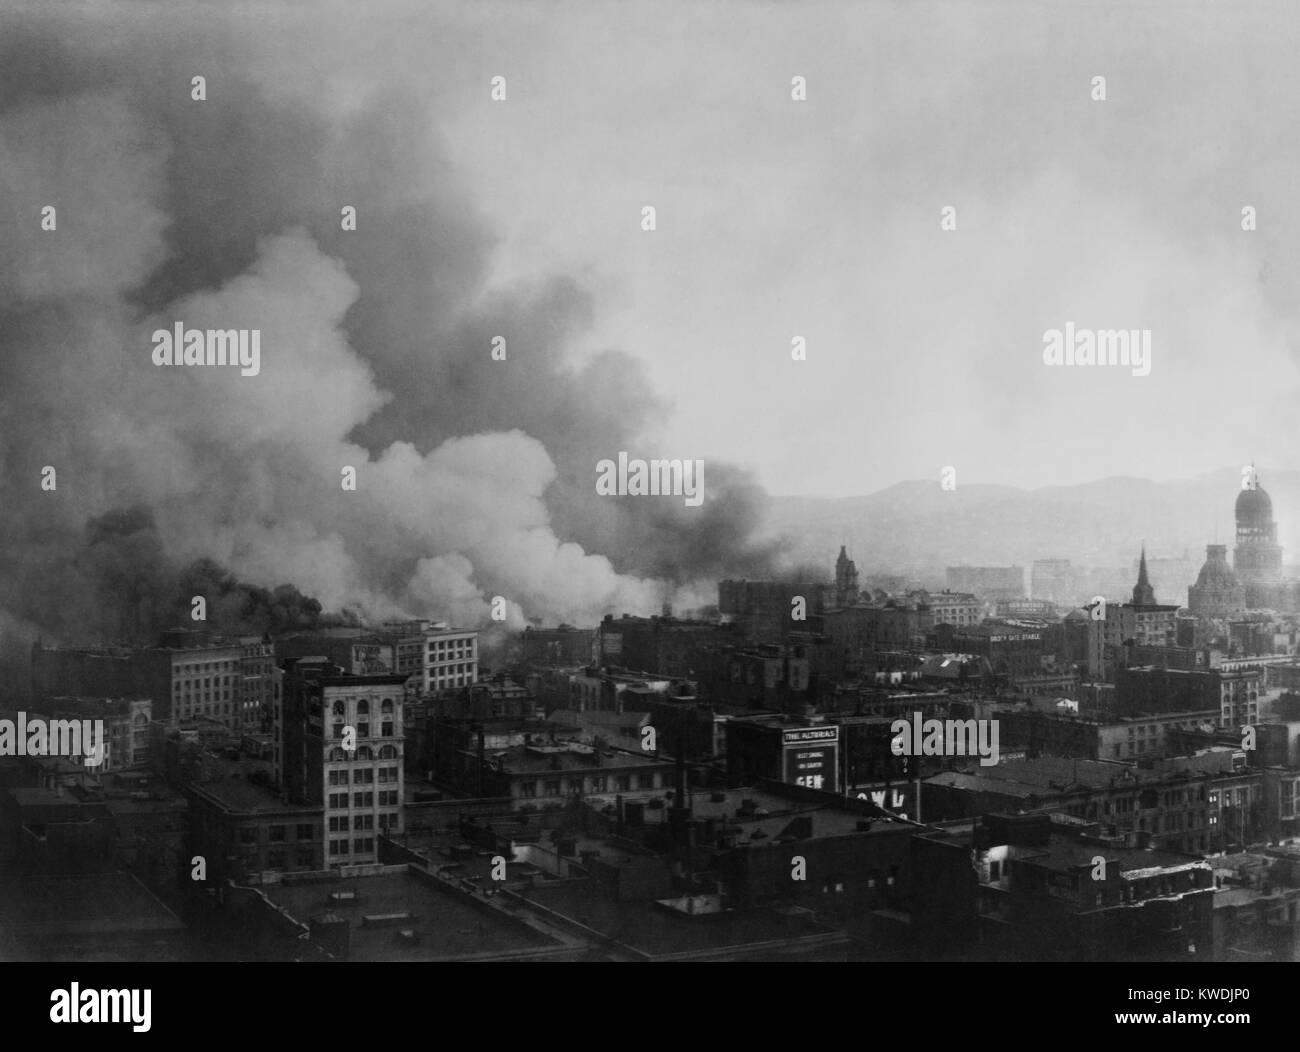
{"x": 919, "y": 525}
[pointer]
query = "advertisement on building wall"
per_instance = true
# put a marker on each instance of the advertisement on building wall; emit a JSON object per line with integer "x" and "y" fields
{"x": 810, "y": 757}
{"x": 897, "y": 797}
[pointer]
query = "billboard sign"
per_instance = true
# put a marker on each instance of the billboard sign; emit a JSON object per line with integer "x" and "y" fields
{"x": 810, "y": 757}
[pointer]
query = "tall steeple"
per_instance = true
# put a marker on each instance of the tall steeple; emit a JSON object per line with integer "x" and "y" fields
{"x": 846, "y": 579}
{"x": 1143, "y": 593}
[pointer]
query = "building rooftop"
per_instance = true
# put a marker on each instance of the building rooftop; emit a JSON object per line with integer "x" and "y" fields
{"x": 36, "y": 910}
{"x": 447, "y": 923}
{"x": 651, "y": 929}
{"x": 542, "y": 757}
{"x": 1067, "y": 854}
{"x": 238, "y": 786}
{"x": 381, "y": 680}
{"x": 1049, "y": 774}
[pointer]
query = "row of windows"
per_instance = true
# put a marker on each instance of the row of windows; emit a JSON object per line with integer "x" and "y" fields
{"x": 363, "y": 729}
{"x": 461, "y": 668}
{"x": 597, "y": 783}
{"x": 363, "y": 707}
{"x": 339, "y": 823}
{"x": 208, "y": 696}
{"x": 208, "y": 709}
{"x": 364, "y": 846}
{"x": 275, "y": 834}
{"x": 358, "y": 800}
{"x": 201, "y": 667}
{"x": 441, "y": 645}
{"x": 363, "y": 776}
{"x": 387, "y": 798}
{"x": 362, "y": 752}
{"x": 451, "y": 681}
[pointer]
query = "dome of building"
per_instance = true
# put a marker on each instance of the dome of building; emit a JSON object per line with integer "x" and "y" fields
{"x": 1254, "y": 508}
{"x": 1218, "y": 591}
{"x": 1215, "y": 571}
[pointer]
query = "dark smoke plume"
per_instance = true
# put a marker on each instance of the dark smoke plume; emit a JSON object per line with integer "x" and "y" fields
{"x": 475, "y": 477}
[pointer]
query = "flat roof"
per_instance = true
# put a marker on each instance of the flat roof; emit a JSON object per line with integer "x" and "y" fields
{"x": 530, "y": 759}
{"x": 235, "y": 792}
{"x": 53, "y": 906}
{"x": 655, "y": 930}
{"x": 447, "y": 923}
{"x": 1065, "y": 853}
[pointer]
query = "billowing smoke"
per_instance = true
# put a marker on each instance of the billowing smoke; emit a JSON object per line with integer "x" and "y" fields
{"x": 474, "y": 478}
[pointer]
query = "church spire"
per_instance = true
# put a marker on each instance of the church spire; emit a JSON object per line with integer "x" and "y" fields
{"x": 846, "y": 579}
{"x": 1143, "y": 593}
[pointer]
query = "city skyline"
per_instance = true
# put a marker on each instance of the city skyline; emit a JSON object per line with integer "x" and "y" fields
{"x": 609, "y": 481}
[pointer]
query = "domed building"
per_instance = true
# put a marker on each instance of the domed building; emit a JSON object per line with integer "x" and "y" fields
{"x": 1217, "y": 592}
{"x": 1257, "y": 558}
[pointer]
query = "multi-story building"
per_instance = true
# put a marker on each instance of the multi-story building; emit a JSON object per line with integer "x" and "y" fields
{"x": 1257, "y": 558}
{"x": 438, "y": 657}
{"x": 258, "y": 683}
{"x": 360, "y": 787}
{"x": 202, "y": 680}
{"x": 539, "y": 772}
{"x": 763, "y": 609}
{"x": 451, "y": 658}
{"x": 558, "y": 646}
{"x": 1199, "y": 803}
{"x": 1233, "y": 694}
{"x": 1054, "y": 581}
{"x": 1217, "y": 593}
{"x": 126, "y": 726}
{"x": 241, "y": 826}
{"x": 355, "y": 649}
{"x": 603, "y": 690}
{"x": 189, "y": 674}
{"x": 1109, "y": 626}
{"x": 770, "y": 675}
{"x": 1024, "y": 608}
{"x": 1067, "y": 733}
{"x": 1154, "y": 624}
{"x": 1014, "y": 649}
{"x": 1031, "y": 887}
{"x": 784, "y": 749}
{"x": 954, "y": 608}
{"x": 88, "y": 671}
{"x": 1113, "y": 628}
{"x": 1281, "y": 800}
{"x": 857, "y": 631}
{"x": 661, "y": 646}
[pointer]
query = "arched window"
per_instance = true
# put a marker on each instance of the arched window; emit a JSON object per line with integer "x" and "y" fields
{"x": 340, "y": 709}
{"x": 337, "y": 755}
{"x": 387, "y": 752}
{"x": 363, "y": 707}
{"x": 387, "y": 705}
{"x": 364, "y": 753}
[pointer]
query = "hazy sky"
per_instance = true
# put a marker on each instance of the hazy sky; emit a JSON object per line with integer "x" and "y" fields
{"x": 776, "y": 219}
{"x": 820, "y": 219}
